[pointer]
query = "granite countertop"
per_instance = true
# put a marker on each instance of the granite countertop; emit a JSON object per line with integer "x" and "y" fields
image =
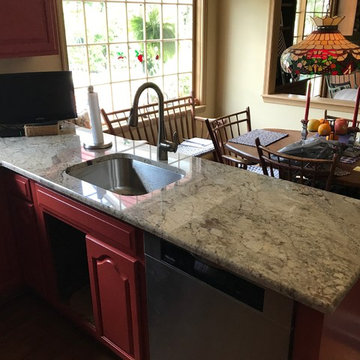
{"x": 301, "y": 242}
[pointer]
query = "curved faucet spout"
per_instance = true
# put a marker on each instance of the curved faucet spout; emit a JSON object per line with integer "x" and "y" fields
{"x": 163, "y": 146}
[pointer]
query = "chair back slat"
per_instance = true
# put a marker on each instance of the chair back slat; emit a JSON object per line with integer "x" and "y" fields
{"x": 173, "y": 123}
{"x": 224, "y": 128}
{"x": 312, "y": 172}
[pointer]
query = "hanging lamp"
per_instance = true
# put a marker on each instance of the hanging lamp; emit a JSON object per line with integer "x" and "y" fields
{"x": 325, "y": 51}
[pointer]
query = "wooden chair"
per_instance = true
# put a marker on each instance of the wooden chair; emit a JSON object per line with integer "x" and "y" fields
{"x": 179, "y": 116}
{"x": 225, "y": 128}
{"x": 311, "y": 172}
{"x": 336, "y": 83}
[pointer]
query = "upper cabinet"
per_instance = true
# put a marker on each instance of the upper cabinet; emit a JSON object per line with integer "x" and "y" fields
{"x": 28, "y": 28}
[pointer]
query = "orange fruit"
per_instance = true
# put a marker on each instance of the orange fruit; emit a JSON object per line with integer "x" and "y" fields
{"x": 324, "y": 129}
{"x": 323, "y": 121}
{"x": 313, "y": 125}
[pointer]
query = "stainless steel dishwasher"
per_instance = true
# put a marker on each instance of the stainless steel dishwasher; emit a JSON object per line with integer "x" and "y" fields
{"x": 197, "y": 311}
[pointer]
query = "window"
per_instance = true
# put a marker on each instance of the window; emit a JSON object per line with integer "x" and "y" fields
{"x": 305, "y": 10}
{"x": 296, "y": 24}
{"x": 108, "y": 48}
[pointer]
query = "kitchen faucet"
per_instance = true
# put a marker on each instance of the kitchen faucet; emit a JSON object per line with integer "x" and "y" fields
{"x": 163, "y": 145}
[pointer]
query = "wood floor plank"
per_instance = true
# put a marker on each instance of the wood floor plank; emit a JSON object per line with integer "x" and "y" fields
{"x": 31, "y": 330}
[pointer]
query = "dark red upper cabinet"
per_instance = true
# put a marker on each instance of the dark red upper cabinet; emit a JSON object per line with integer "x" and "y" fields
{"x": 28, "y": 28}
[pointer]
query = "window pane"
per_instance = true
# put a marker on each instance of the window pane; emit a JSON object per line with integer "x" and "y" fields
{"x": 99, "y": 71}
{"x": 96, "y": 22}
{"x": 119, "y": 62}
{"x": 121, "y": 95}
{"x": 185, "y": 84}
{"x": 185, "y": 22}
{"x": 170, "y": 57}
{"x": 78, "y": 65}
{"x": 136, "y": 21}
{"x": 74, "y": 22}
{"x": 116, "y": 22}
{"x": 81, "y": 99}
{"x": 153, "y": 59}
{"x": 171, "y": 86}
{"x": 169, "y": 21}
{"x": 185, "y": 56}
{"x": 152, "y": 22}
{"x": 137, "y": 61}
{"x": 104, "y": 93}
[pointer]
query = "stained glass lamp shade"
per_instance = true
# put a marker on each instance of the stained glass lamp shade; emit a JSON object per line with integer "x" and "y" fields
{"x": 325, "y": 51}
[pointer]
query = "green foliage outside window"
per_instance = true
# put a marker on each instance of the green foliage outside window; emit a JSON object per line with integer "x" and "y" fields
{"x": 153, "y": 33}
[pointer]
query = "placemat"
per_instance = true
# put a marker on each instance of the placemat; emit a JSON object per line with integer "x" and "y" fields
{"x": 266, "y": 137}
{"x": 195, "y": 151}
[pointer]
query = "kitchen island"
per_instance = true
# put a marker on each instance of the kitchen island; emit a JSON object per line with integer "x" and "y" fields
{"x": 300, "y": 242}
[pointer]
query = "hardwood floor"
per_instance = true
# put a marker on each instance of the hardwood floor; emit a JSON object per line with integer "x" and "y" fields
{"x": 31, "y": 330}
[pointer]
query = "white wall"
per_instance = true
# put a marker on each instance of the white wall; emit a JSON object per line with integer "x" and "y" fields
{"x": 242, "y": 36}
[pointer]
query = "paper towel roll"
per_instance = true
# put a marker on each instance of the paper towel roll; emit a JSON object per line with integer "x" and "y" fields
{"x": 95, "y": 119}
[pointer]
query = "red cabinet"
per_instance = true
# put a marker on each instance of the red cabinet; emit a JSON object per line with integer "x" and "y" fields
{"x": 10, "y": 275}
{"x": 22, "y": 238}
{"x": 85, "y": 249}
{"x": 28, "y": 28}
{"x": 27, "y": 240}
{"x": 114, "y": 287}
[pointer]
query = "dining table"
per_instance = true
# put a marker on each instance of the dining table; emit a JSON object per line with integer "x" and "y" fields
{"x": 351, "y": 179}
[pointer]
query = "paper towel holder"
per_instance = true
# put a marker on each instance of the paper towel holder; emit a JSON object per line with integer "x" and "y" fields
{"x": 98, "y": 141}
{"x": 98, "y": 146}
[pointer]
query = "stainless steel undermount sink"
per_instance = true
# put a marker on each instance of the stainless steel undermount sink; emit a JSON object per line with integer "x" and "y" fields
{"x": 126, "y": 174}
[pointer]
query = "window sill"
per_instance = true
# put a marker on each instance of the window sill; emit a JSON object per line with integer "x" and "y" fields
{"x": 316, "y": 102}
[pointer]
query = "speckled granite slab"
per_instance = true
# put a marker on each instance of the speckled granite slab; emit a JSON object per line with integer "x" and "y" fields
{"x": 301, "y": 242}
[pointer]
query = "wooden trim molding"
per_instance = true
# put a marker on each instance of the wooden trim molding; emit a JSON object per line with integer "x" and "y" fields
{"x": 269, "y": 94}
{"x": 62, "y": 36}
{"x": 199, "y": 49}
{"x": 316, "y": 102}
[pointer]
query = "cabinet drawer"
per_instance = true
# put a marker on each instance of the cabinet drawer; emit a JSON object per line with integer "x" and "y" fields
{"x": 114, "y": 232}
{"x": 19, "y": 186}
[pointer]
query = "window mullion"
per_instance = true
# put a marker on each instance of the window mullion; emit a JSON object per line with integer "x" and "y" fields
{"x": 178, "y": 47}
{"x": 161, "y": 43}
{"x": 145, "y": 47}
{"x": 128, "y": 50}
{"x": 86, "y": 42}
{"x": 108, "y": 52}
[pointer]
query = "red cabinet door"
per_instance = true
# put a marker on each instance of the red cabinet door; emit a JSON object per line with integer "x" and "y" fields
{"x": 10, "y": 275}
{"x": 27, "y": 239}
{"x": 28, "y": 28}
{"x": 115, "y": 297}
